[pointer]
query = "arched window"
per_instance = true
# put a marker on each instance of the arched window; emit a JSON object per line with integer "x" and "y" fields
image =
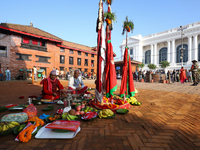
{"x": 199, "y": 52}
{"x": 148, "y": 57}
{"x": 162, "y": 54}
{"x": 185, "y": 53}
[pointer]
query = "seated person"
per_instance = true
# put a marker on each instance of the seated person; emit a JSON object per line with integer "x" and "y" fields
{"x": 50, "y": 86}
{"x": 75, "y": 82}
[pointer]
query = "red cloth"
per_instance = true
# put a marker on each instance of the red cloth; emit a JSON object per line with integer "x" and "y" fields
{"x": 83, "y": 90}
{"x": 127, "y": 85}
{"x": 26, "y": 40}
{"x": 34, "y": 42}
{"x": 50, "y": 87}
{"x": 183, "y": 74}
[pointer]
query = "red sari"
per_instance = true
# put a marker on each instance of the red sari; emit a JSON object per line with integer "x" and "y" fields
{"x": 183, "y": 75}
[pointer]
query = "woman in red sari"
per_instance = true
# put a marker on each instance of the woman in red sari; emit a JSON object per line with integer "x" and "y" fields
{"x": 182, "y": 75}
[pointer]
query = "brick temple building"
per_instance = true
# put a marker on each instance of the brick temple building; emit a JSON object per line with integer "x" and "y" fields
{"x": 23, "y": 46}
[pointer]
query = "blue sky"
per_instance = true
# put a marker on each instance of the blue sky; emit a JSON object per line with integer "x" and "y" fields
{"x": 75, "y": 20}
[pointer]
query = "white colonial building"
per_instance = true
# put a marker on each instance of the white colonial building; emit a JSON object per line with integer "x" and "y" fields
{"x": 166, "y": 45}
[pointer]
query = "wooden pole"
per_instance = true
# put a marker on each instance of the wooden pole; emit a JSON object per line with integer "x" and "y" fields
{"x": 32, "y": 76}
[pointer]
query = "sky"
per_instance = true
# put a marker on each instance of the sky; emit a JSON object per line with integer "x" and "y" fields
{"x": 75, "y": 20}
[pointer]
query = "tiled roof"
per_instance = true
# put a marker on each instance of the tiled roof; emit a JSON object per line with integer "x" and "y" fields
{"x": 30, "y": 29}
{"x": 78, "y": 46}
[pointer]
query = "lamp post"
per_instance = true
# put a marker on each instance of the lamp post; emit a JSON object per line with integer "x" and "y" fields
{"x": 181, "y": 49}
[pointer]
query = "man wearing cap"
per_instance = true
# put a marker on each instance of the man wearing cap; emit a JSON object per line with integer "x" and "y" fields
{"x": 76, "y": 83}
{"x": 195, "y": 74}
{"x": 50, "y": 86}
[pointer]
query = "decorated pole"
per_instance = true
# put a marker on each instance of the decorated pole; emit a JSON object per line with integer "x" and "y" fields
{"x": 111, "y": 81}
{"x": 100, "y": 55}
{"x": 127, "y": 86}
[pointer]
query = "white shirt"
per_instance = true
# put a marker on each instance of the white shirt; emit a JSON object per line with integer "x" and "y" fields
{"x": 74, "y": 83}
{"x": 57, "y": 72}
{"x": 35, "y": 70}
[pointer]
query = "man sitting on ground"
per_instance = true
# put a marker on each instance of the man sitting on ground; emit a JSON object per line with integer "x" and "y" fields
{"x": 50, "y": 86}
{"x": 75, "y": 82}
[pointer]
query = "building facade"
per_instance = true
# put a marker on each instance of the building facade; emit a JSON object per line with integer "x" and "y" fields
{"x": 166, "y": 45}
{"x": 26, "y": 46}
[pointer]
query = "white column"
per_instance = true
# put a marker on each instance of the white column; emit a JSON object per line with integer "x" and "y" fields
{"x": 155, "y": 54}
{"x": 189, "y": 49}
{"x": 151, "y": 53}
{"x": 173, "y": 54}
{"x": 168, "y": 51}
{"x": 195, "y": 48}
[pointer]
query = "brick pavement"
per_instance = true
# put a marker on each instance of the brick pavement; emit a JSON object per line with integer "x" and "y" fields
{"x": 167, "y": 119}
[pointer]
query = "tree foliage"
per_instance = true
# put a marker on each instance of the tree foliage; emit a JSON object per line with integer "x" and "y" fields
{"x": 152, "y": 66}
{"x": 111, "y": 16}
{"x": 164, "y": 64}
{"x": 127, "y": 23}
{"x": 140, "y": 65}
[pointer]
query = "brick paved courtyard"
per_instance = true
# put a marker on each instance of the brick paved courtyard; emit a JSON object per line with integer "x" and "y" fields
{"x": 167, "y": 119}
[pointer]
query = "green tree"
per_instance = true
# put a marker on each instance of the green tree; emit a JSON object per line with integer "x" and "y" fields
{"x": 152, "y": 66}
{"x": 140, "y": 65}
{"x": 164, "y": 64}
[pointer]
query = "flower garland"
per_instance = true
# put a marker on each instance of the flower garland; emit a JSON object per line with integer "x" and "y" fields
{"x": 25, "y": 135}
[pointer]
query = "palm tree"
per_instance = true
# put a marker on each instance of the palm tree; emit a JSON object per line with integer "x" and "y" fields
{"x": 127, "y": 26}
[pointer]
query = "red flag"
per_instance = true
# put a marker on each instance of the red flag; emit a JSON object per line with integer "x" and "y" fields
{"x": 127, "y": 84}
{"x": 100, "y": 55}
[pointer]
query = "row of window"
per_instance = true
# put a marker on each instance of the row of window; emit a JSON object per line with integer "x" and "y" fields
{"x": 71, "y": 61}
{"x": 71, "y": 51}
{"x": 164, "y": 51}
{"x": 81, "y": 69}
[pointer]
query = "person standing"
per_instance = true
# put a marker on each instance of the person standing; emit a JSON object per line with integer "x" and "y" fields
{"x": 177, "y": 76}
{"x": 195, "y": 75}
{"x": 182, "y": 75}
{"x": 169, "y": 76}
{"x": 57, "y": 73}
{"x": 1, "y": 74}
{"x": 24, "y": 74}
{"x": 174, "y": 75}
{"x": 35, "y": 72}
{"x": 7, "y": 74}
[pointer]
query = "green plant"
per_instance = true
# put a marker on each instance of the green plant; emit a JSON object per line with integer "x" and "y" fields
{"x": 164, "y": 64}
{"x": 140, "y": 65}
{"x": 111, "y": 16}
{"x": 152, "y": 66}
{"x": 127, "y": 25}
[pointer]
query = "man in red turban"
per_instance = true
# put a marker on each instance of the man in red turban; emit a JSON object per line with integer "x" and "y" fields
{"x": 50, "y": 86}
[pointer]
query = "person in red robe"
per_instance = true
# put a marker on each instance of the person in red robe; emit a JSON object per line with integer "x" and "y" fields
{"x": 182, "y": 75}
{"x": 50, "y": 86}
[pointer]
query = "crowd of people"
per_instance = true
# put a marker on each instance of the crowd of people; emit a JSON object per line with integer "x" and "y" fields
{"x": 7, "y": 73}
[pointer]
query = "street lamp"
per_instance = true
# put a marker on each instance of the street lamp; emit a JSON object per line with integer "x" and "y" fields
{"x": 181, "y": 49}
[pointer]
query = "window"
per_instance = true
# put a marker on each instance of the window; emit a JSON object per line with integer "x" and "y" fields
{"x": 79, "y": 61}
{"x": 34, "y": 42}
{"x": 42, "y": 59}
{"x": 23, "y": 57}
{"x": 86, "y": 70}
{"x": 3, "y": 51}
{"x": 86, "y": 62}
{"x": 162, "y": 54}
{"x": 70, "y": 68}
{"x": 42, "y": 43}
{"x": 148, "y": 57}
{"x": 92, "y": 55}
{"x": 71, "y": 51}
{"x": 71, "y": 60}
{"x": 79, "y": 52}
{"x": 92, "y": 63}
{"x": 86, "y": 54}
{"x": 62, "y": 59}
{"x": 131, "y": 51}
{"x": 62, "y": 49}
{"x": 26, "y": 40}
{"x": 92, "y": 70}
{"x": 185, "y": 54}
{"x": 80, "y": 69}
{"x": 61, "y": 68}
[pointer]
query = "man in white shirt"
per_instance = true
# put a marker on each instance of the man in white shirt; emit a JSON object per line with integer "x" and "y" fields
{"x": 76, "y": 83}
{"x": 35, "y": 72}
{"x": 57, "y": 72}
